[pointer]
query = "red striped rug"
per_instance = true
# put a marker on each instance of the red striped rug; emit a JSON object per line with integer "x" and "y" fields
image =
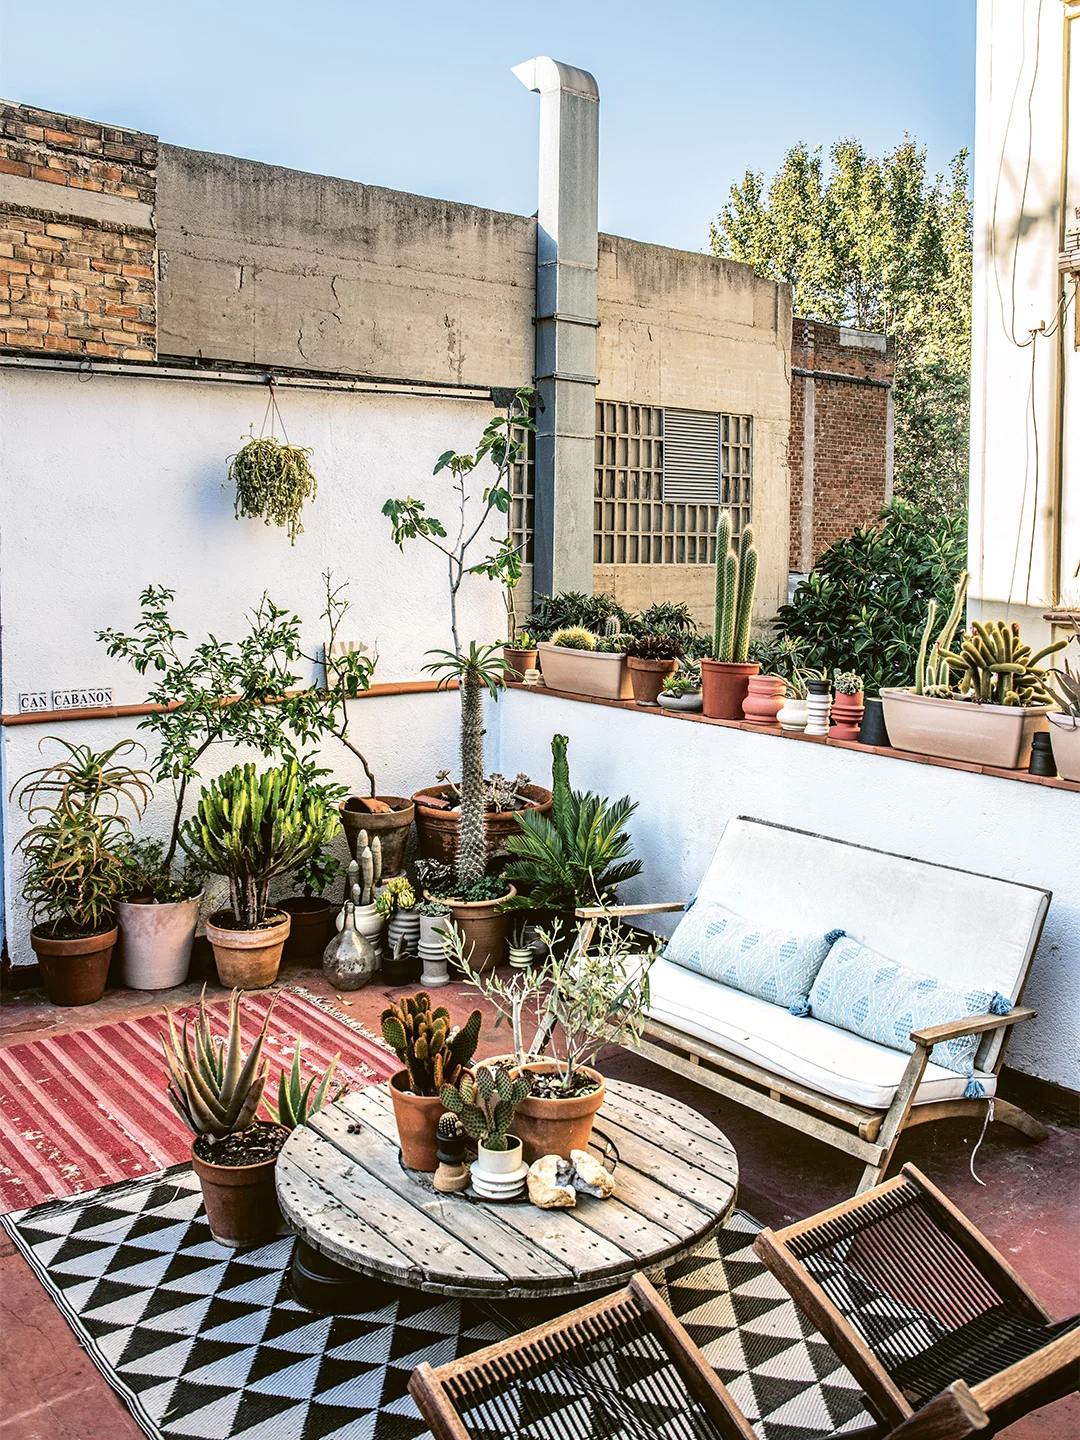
{"x": 87, "y": 1108}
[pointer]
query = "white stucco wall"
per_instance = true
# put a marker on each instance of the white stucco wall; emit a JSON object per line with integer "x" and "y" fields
{"x": 691, "y": 779}
{"x": 110, "y": 484}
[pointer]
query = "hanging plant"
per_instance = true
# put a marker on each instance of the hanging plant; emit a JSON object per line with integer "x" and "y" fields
{"x": 272, "y": 477}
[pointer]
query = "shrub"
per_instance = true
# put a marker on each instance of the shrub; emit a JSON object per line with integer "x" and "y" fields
{"x": 591, "y": 612}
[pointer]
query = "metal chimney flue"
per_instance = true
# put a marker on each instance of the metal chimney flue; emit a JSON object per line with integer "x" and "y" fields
{"x": 566, "y": 323}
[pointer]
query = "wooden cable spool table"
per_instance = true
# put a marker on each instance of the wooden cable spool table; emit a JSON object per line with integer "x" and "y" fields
{"x": 359, "y": 1215}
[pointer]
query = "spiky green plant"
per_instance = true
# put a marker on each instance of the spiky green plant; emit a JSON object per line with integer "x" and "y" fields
{"x": 736, "y": 579}
{"x": 576, "y": 637}
{"x": 931, "y": 669}
{"x": 423, "y": 1041}
{"x": 296, "y": 1102}
{"x": 996, "y": 667}
{"x": 213, "y": 1089}
{"x": 251, "y": 828}
{"x": 485, "y": 1102}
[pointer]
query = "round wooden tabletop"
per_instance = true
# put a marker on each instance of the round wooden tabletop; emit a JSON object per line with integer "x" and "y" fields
{"x": 343, "y": 1189}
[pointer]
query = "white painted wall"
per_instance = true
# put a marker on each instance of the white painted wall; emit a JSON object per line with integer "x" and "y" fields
{"x": 109, "y": 484}
{"x": 691, "y": 779}
{"x": 1024, "y": 540}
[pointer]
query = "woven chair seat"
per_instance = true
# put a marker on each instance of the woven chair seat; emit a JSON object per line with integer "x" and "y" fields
{"x": 990, "y": 1342}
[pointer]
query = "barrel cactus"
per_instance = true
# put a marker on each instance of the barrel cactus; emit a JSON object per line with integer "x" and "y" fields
{"x": 433, "y": 1054}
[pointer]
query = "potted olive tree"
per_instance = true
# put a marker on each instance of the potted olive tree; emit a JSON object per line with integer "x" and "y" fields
{"x": 252, "y": 828}
{"x": 74, "y": 862}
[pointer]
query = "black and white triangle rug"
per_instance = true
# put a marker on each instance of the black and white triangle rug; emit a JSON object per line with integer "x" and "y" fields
{"x": 208, "y": 1343}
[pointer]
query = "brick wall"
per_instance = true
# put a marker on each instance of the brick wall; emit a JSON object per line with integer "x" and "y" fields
{"x": 841, "y": 460}
{"x": 77, "y": 258}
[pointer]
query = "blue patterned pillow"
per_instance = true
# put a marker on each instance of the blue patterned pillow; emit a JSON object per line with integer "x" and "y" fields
{"x": 775, "y": 965}
{"x": 859, "y": 990}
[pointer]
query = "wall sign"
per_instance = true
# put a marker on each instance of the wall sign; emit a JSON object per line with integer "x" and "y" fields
{"x": 33, "y": 700}
{"x": 93, "y": 698}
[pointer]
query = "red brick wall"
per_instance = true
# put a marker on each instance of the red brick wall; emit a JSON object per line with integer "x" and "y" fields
{"x": 851, "y": 433}
{"x": 70, "y": 283}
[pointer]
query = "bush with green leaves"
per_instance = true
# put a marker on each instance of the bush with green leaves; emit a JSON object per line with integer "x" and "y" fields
{"x": 864, "y": 605}
{"x": 146, "y": 877}
{"x": 655, "y": 645}
{"x": 272, "y": 479}
{"x": 573, "y": 608}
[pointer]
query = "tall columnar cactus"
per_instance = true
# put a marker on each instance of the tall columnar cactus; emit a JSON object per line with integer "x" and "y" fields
{"x": 472, "y": 846}
{"x": 612, "y": 627}
{"x": 931, "y": 668}
{"x": 744, "y": 604}
{"x": 370, "y": 855}
{"x": 432, "y": 1053}
{"x": 736, "y": 577}
{"x": 212, "y": 1087}
{"x": 485, "y": 1103}
{"x": 560, "y": 777}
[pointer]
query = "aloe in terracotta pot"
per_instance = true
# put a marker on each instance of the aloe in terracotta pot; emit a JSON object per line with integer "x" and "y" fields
{"x": 73, "y": 859}
{"x": 725, "y": 675}
{"x": 433, "y": 1054}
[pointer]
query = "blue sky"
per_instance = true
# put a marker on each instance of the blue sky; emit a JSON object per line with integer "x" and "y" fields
{"x": 419, "y": 96}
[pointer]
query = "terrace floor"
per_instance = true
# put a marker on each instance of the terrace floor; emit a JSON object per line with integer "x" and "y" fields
{"x": 1029, "y": 1208}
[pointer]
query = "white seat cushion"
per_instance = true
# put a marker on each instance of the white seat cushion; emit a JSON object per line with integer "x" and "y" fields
{"x": 831, "y": 1061}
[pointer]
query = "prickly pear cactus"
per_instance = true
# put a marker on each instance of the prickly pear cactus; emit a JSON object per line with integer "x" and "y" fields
{"x": 485, "y": 1103}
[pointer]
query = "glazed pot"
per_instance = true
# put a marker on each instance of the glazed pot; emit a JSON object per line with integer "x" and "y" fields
{"x": 240, "y": 1201}
{"x": 312, "y": 926}
{"x": 995, "y": 735}
{"x": 483, "y": 929}
{"x": 872, "y": 731}
{"x": 690, "y": 701}
{"x": 391, "y": 827}
{"x": 403, "y": 925}
{"x": 584, "y": 672}
{"x": 370, "y": 924}
{"x": 764, "y": 696}
{"x": 74, "y": 971}
{"x": 724, "y": 686}
{"x": 793, "y": 714}
{"x": 499, "y": 1174}
{"x": 437, "y": 829}
{"x": 555, "y": 1127}
{"x": 847, "y": 716}
{"x": 417, "y": 1118}
{"x": 155, "y": 946}
{"x": 247, "y": 959}
{"x": 518, "y": 661}
{"x": 1065, "y": 742}
{"x": 647, "y": 678}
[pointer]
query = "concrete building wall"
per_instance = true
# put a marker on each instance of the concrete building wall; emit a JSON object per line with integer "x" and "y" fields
{"x": 1024, "y": 545}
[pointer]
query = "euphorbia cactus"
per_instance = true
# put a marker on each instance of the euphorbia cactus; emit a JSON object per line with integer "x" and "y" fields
{"x": 485, "y": 1103}
{"x": 430, "y": 1051}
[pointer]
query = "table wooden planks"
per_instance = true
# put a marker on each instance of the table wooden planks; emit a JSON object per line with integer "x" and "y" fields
{"x": 343, "y": 1189}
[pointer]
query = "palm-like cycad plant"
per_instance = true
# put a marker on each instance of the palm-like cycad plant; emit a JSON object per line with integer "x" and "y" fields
{"x": 579, "y": 856}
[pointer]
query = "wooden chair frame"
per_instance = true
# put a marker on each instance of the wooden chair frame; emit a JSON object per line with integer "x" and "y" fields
{"x": 960, "y": 1410}
{"x": 869, "y": 1135}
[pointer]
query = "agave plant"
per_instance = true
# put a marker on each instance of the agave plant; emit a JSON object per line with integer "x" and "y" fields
{"x": 213, "y": 1089}
{"x": 296, "y": 1103}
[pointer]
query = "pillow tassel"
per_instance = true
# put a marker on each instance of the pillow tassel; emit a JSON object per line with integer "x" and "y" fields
{"x": 834, "y": 935}
{"x": 799, "y": 1008}
{"x": 974, "y": 1090}
{"x": 999, "y": 1005}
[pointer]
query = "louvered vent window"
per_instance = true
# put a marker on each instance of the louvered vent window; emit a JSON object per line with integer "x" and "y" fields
{"x": 691, "y": 457}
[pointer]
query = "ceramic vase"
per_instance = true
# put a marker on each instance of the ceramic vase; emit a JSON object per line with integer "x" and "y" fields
{"x": 847, "y": 715}
{"x": 818, "y": 706}
{"x": 792, "y": 715}
{"x": 764, "y": 697}
{"x": 404, "y": 925}
{"x": 349, "y": 960}
{"x": 432, "y": 951}
{"x": 369, "y": 923}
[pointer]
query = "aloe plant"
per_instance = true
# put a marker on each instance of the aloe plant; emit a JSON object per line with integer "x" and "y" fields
{"x": 213, "y": 1089}
{"x": 296, "y": 1103}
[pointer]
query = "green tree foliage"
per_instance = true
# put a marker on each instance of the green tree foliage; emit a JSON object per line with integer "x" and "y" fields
{"x": 864, "y": 606}
{"x": 877, "y": 244}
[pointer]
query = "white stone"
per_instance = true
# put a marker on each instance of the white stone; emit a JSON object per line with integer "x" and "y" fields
{"x": 589, "y": 1176}
{"x": 549, "y": 1186}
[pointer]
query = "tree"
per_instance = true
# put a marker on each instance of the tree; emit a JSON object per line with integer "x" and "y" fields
{"x": 877, "y": 245}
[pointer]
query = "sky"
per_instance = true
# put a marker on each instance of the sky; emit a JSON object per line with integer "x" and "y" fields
{"x": 418, "y": 96}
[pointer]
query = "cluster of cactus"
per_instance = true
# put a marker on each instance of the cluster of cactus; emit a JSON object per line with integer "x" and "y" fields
{"x": 215, "y": 1091}
{"x": 847, "y": 682}
{"x": 997, "y": 668}
{"x": 736, "y": 578}
{"x": 369, "y": 859}
{"x": 574, "y": 637}
{"x": 931, "y": 667}
{"x": 397, "y": 894}
{"x": 485, "y": 1102}
{"x": 296, "y": 1102}
{"x": 432, "y": 1053}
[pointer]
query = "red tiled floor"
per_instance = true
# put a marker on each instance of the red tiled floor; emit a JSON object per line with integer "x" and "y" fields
{"x": 1029, "y": 1208}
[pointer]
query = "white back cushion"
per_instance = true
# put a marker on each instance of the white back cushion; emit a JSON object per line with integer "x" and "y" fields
{"x": 949, "y": 923}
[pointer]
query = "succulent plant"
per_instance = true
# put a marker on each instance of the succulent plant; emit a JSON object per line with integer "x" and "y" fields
{"x": 213, "y": 1089}
{"x": 931, "y": 669}
{"x": 398, "y": 894}
{"x": 847, "y": 682}
{"x": 736, "y": 578}
{"x": 485, "y": 1102}
{"x": 448, "y": 1128}
{"x": 432, "y": 909}
{"x": 574, "y": 637}
{"x": 612, "y": 627}
{"x": 654, "y": 647}
{"x": 997, "y": 668}
{"x": 432, "y": 1053}
{"x": 296, "y": 1103}
{"x": 1067, "y": 687}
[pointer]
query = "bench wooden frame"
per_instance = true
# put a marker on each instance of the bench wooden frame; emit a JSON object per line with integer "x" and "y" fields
{"x": 868, "y": 1135}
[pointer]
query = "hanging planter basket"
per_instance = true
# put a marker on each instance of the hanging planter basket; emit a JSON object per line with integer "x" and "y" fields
{"x": 272, "y": 477}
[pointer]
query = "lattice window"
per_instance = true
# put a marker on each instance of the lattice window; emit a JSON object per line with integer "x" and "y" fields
{"x": 523, "y": 492}
{"x": 737, "y": 468}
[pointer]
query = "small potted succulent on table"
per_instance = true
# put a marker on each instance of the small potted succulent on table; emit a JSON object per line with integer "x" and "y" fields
{"x": 432, "y": 1055}
{"x": 682, "y": 688}
{"x": 75, "y": 863}
{"x": 396, "y": 904}
{"x": 848, "y": 706}
{"x": 726, "y": 673}
{"x": 651, "y": 659}
{"x": 484, "y": 1101}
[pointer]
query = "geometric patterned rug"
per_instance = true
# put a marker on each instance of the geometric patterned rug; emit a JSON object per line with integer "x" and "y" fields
{"x": 205, "y": 1342}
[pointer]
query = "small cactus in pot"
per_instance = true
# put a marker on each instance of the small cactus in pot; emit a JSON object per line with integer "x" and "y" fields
{"x": 484, "y": 1102}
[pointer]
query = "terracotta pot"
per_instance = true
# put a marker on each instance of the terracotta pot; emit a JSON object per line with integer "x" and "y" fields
{"x": 1065, "y": 741}
{"x": 437, "y": 830}
{"x": 584, "y": 672}
{"x": 847, "y": 715}
{"x": 764, "y": 697}
{"x": 392, "y": 828}
{"x": 156, "y": 942}
{"x": 518, "y": 661}
{"x": 74, "y": 971}
{"x": 723, "y": 688}
{"x": 996, "y": 735}
{"x": 647, "y": 678}
{"x": 247, "y": 959}
{"x": 312, "y": 926}
{"x": 417, "y": 1118}
{"x": 555, "y": 1127}
{"x": 483, "y": 929}
{"x": 240, "y": 1201}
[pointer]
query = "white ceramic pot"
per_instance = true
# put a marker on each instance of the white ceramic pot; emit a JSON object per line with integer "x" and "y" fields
{"x": 584, "y": 672}
{"x": 157, "y": 941}
{"x": 818, "y": 707}
{"x": 995, "y": 735}
{"x": 793, "y": 714}
{"x": 500, "y": 1174}
{"x": 1065, "y": 743}
{"x": 432, "y": 933}
{"x": 521, "y": 959}
{"x": 435, "y": 972}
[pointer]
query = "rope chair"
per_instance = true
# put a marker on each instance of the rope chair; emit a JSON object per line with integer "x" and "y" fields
{"x": 921, "y": 1309}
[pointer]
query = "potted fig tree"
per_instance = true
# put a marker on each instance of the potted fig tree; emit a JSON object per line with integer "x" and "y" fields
{"x": 432, "y": 1054}
{"x": 726, "y": 673}
{"x": 74, "y": 862}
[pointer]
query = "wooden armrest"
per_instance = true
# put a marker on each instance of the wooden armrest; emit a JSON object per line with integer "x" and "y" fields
{"x": 598, "y": 912}
{"x": 973, "y": 1025}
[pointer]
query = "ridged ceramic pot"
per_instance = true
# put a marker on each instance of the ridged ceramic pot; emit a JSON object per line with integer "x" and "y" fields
{"x": 764, "y": 696}
{"x": 156, "y": 942}
{"x": 247, "y": 959}
{"x": 847, "y": 715}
